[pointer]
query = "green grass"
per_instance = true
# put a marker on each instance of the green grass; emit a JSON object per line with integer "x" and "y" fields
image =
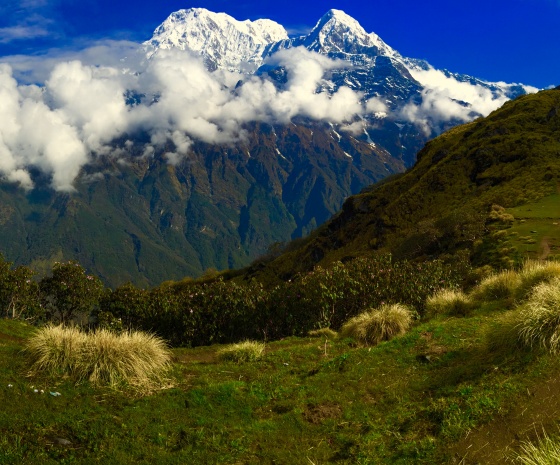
{"x": 407, "y": 400}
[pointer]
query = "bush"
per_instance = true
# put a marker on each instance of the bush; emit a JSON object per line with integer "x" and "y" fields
{"x": 381, "y": 324}
{"x": 70, "y": 292}
{"x": 535, "y": 272}
{"x": 137, "y": 360}
{"x": 539, "y": 319}
{"x": 497, "y": 286}
{"x": 247, "y": 351}
{"x": 19, "y": 294}
{"x": 448, "y": 302}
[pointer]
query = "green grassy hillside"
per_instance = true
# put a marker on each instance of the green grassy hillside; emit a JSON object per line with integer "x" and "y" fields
{"x": 444, "y": 203}
{"x": 458, "y": 387}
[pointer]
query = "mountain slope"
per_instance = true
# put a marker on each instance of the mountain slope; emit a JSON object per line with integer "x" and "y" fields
{"x": 146, "y": 221}
{"x": 444, "y": 203}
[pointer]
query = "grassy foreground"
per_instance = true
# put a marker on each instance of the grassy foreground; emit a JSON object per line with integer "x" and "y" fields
{"x": 446, "y": 392}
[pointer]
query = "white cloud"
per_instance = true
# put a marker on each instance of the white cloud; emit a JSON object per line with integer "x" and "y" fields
{"x": 82, "y": 109}
{"x": 446, "y": 99}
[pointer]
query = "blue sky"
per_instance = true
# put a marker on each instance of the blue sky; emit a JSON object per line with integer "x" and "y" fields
{"x": 513, "y": 41}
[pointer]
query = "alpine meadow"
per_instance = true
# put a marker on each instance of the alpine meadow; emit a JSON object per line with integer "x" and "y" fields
{"x": 239, "y": 245}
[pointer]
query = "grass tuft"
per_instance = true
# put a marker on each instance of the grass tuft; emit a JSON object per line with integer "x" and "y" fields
{"x": 135, "y": 359}
{"x": 448, "y": 302}
{"x": 497, "y": 286}
{"x": 381, "y": 324}
{"x": 323, "y": 332}
{"x": 539, "y": 319}
{"x": 246, "y": 351}
{"x": 545, "y": 452}
{"x": 535, "y": 272}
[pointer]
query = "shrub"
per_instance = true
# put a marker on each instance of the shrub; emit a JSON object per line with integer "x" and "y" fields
{"x": 545, "y": 452}
{"x": 323, "y": 332}
{"x": 135, "y": 359}
{"x": 18, "y": 292}
{"x": 449, "y": 302}
{"x": 535, "y": 272}
{"x": 246, "y": 351}
{"x": 381, "y": 324}
{"x": 70, "y": 292}
{"x": 497, "y": 286}
{"x": 539, "y": 319}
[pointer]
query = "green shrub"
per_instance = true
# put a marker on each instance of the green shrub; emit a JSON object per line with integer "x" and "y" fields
{"x": 539, "y": 319}
{"x": 246, "y": 351}
{"x": 497, "y": 286}
{"x": 448, "y": 302}
{"x": 137, "y": 360}
{"x": 323, "y": 332}
{"x": 381, "y": 324}
{"x": 535, "y": 272}
{"x": 545, "y": 452}
{"x": 19, "y": 294}
{"x": 70, "y": 292}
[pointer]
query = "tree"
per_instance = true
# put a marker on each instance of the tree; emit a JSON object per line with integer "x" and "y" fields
{"x": 70, "y": 292}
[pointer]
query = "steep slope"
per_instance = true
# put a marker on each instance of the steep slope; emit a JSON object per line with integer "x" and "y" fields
{"x": 146, "y": 221}
{"x": 444, "y": 203}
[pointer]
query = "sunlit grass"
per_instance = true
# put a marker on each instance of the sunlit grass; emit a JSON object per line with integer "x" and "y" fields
{"x": 378, "y": 325}
{"x": 135, "y": 359}
{"x": 246, "y": 351}
{"x": 448, "y": 302}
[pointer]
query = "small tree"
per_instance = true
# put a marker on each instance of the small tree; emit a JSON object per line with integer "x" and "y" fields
{"x": 69, "y": 292}
{"x": 18, "y": 292}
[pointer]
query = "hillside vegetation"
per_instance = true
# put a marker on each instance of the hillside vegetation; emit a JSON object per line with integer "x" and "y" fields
{"x": 453, "y": 387}
{"x": 488, "y": 188}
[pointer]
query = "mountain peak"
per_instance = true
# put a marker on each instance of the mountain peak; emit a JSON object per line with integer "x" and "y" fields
{"x": 341, "y": 17}
{"x": 338, "y": 33}
{"x": 223, "y": 41}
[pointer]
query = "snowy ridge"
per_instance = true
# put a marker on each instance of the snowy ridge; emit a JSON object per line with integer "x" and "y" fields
{"x": 340, "y": 34}
{"x": 223, "y": 41}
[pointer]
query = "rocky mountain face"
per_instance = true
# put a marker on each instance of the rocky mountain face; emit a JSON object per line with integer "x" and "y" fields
{"x": 454, "y": 200}
{"x": 147, "y": 221}
{"x": 139, "y": 218}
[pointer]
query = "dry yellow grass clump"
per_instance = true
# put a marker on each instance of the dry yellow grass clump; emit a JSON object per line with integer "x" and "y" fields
{"x": 135, "y": 359}
{"x": 497, "y": 286}
{"x": 246, "y": 351}
{"x": 448, "y": 302}
{"x": 535, "y": 272}
{"x": 381, "y": 324}
{"x": 539, "y": 318}
{"x": 546, "y": 451}
{"x": 323, "y": 332}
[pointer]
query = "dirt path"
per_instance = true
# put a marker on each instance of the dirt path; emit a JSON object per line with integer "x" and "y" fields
{"x": 537, "y": 411}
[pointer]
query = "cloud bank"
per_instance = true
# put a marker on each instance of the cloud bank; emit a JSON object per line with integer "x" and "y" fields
{"x": 81, "y": 108}
{"x": 446, "y": 99}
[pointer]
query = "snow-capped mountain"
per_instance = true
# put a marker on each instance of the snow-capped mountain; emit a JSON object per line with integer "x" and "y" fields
{"x": 338, "y": 35}
{"x": 223, "y": 41}
{"x": 409, "y": 94}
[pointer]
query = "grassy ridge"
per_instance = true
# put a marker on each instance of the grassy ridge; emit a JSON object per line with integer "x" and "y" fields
{"x": 443, "y": 204}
